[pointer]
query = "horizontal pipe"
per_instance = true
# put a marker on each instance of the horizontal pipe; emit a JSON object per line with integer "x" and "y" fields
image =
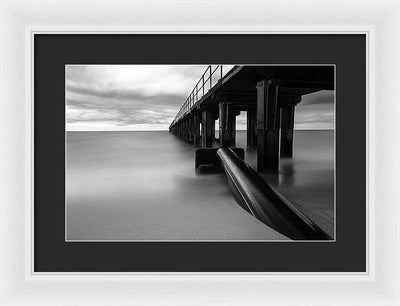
{"x": 265, "y": 203}
{"x": 208, "y": 156}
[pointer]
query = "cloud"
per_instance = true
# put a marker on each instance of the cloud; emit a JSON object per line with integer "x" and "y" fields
{"x": 318, "y": 97}
{"x": 316, "y": 111}
{"x": 127, "y": 95}
{"x": 137, "y": 97}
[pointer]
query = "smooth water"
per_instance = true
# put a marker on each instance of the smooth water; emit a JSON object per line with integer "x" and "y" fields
{"x": 143, "y": 186}
{"x": 307, "y": 179}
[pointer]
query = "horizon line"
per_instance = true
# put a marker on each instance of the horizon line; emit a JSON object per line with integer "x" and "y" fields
{"x": 168, "y": 130}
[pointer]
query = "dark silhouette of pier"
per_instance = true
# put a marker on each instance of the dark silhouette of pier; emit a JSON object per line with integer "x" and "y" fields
{"x": 269, "y": 95}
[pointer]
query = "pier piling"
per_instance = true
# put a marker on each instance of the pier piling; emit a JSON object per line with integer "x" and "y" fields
{"x": 207, "y": 128}
{"x": 268, "y": 123}
{"x": 227, "y": 124}
{"x": 287, "y": 124}
{"x": 251, "y": 128}
{"x": 196, "y": 129}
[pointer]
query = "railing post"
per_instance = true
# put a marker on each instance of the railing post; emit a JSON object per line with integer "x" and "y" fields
{"x": 210, "y": 76}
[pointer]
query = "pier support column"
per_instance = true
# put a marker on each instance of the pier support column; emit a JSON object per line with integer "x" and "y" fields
{"x": 187, "y": 129}
{"x": 184, "y": 129}
{"x": 213, "y": 128}
{"x": 233, "y": 128}
{"x": 196, "y": 129}
{"x": 206, "y": 129}
{"x": 190, "y": 129}
{"x": 227, "y": 124}
{"x": 251, "y": 128}
{"x": 287, "y": 124}
{"x": 268, "y": 122}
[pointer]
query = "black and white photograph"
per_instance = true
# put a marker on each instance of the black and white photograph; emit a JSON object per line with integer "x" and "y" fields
{"x": 200, "y": 153}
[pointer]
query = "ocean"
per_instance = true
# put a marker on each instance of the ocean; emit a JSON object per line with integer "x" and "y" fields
{"x": 143, "y": 186}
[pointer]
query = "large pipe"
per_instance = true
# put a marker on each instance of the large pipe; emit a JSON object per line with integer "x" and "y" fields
{"x": 264, "y": 202}
{"x": 209, "y": 157}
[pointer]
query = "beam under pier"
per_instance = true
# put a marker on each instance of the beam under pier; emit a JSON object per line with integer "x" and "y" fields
{"x": 268, "y": 123}
{"x": 287, "y": 124}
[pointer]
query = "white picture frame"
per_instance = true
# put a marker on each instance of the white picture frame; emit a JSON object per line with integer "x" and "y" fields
{"x": 378, "y": 19}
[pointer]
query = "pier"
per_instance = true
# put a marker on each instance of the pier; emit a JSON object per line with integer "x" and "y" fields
{"x": 269, "y": 95}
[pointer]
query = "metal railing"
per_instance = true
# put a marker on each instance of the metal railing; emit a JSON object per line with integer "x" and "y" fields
{"x": 205, "y": 83}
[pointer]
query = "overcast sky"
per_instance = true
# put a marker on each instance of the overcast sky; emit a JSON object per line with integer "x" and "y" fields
{"x": 147, "y": 97}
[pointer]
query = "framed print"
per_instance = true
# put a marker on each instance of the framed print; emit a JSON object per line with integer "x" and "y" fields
{"x": 215, "y": 161}
{"x": 167, "y": 188}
